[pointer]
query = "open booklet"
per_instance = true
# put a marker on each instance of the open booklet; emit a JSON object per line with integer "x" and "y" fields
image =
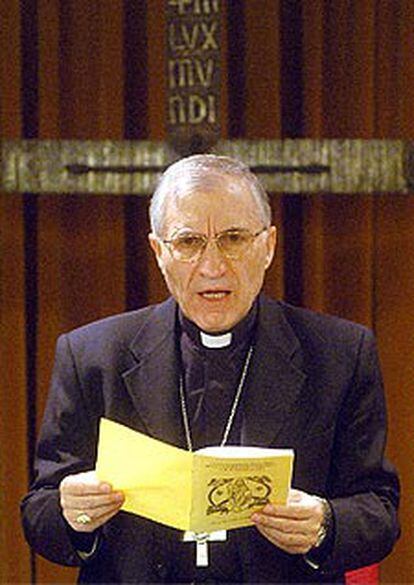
{"x": 212, "y": 489}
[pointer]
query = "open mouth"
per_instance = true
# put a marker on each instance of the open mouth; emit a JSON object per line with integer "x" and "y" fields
{"x": 214, "y": 295}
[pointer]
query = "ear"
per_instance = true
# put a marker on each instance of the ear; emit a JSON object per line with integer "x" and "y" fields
{"x": 271, "y": 244}
{"x": 157, "y": 249}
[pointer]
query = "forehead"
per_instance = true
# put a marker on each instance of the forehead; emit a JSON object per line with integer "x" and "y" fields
{"x": 222, "y": 202}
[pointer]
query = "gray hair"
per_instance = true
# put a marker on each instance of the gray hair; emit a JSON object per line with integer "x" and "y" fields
{"x": 202, "y": 169}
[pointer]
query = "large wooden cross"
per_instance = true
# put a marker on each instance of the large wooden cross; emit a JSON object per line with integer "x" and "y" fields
{"x": 133, "y": 167}
{"x": 193, "y": 98}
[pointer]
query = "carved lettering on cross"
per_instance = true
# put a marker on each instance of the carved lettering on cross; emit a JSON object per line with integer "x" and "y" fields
{"x": 196, "y": 7}
{"x": 200, "y": 36}
{"x": 185, "y": 72}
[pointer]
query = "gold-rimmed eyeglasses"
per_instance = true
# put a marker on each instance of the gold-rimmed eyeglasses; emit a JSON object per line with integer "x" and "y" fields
{"x": 233, "y": 243}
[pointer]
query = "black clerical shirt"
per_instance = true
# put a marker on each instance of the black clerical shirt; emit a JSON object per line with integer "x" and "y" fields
{"x": 211, "y": 379}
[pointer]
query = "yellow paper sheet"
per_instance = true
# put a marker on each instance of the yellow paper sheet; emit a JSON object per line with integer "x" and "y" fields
{"x": 155, "y": 477}
{"x": 198, "y": 491}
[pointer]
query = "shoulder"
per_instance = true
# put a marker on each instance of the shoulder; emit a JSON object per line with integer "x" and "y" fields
{"x": 115, "y": 331}
{"x": 316, "y": 331}
{"x": 324, "y": 346}
{"x": 321, "y": 324}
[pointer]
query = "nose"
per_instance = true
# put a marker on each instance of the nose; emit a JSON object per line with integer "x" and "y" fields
{"x": 212, "y": 263}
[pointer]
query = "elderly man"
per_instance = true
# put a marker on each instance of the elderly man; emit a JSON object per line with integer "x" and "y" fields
{"x": 218, "y": 364}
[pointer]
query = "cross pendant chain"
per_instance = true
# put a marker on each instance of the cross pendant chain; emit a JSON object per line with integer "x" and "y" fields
{"x": 233, "y": 410}
{"x": 201, "y": 539}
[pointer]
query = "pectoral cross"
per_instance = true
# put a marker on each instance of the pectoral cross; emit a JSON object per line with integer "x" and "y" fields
{"x": 202, "y": 539}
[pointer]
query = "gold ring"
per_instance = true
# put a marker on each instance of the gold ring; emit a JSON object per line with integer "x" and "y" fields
{"x": 83, "y": 518}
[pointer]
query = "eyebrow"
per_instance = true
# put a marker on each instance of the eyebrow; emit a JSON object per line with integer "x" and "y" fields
{"x": 185, "y": 230}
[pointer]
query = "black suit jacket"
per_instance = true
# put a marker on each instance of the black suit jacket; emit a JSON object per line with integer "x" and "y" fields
{"x": 314, "y": 385}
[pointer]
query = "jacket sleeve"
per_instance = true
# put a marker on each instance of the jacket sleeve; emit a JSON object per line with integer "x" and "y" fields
{"x": 364, "y": 487}
{"x": 66, "y": 445}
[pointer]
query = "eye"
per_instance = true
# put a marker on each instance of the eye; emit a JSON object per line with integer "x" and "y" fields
{"x": 188, "y": 242}
{"x": 234, "y": 238}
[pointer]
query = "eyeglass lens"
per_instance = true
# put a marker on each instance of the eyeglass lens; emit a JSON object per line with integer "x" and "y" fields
{"x": 231, "y": 243}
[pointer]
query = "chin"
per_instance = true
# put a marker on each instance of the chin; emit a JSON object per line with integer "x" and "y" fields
{"x": 216, "y": 324}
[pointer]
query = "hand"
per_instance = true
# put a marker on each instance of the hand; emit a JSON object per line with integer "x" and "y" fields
{"x": 83, "y": 494}
{"x": 294, "y": 527}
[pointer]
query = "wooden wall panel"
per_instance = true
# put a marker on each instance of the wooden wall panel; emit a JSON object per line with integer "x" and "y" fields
{"x": 224, "y": 89}
{"x": 91, "y": 69}
{"x": 347, "y": 279}
{"x": 394, "y": 254}
{"x": 262, "y": 70}
{"x": 338, "y": 99}
{"x": 262, "y": 112}
{"x": 14, "y": 553}
{"x": 349, "y": 52}
{"x": 136, "y": 64}
{"x": 357, "y": 251}
{"x": 274, "y": 279}
{"x": 49, "y": 56}
{"x": 10, "y": 71}
{"x": 157, "y": 66}
{"x": 15, "y": 562}
{"x": 313, "y": 235}
{"x": 81, "y": 240}
{"x": 394, "y": 318}
{"x": 313, "y": 67}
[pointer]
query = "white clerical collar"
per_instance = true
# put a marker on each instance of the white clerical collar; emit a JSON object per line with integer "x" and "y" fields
{"x": 215, "y": 341}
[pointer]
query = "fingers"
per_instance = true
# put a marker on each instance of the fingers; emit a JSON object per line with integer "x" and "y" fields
{"x": 87, "y": 520}
{"x": 296, "y": 496}
{"x": 300, "y": 505}
{"x": 288, "y": 524}
{"x": 86, "y": 482}
{"x": 86, "y": 502}
{"x": 290, "y": 512}
{"x": 89, "y": 501}
{"x": 292, "y": 543}
{"x": 293, "y": 528}
{"x": 97, "y": 518}
{"x": 293, "y": 536}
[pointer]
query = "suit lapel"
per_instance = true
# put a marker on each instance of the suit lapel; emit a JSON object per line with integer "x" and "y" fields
{"x": 152, "y": 382}
{"x": 275, "y": 382}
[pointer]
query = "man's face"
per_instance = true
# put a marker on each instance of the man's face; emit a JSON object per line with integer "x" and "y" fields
{"x": 214, "y": 291}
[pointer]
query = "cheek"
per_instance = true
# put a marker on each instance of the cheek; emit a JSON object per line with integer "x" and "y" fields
{"x": 252, "y": 277}
{"x": 177, "y": 278}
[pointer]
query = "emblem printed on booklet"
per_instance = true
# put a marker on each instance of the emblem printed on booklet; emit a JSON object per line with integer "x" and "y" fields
{"x": 237, "y": 494}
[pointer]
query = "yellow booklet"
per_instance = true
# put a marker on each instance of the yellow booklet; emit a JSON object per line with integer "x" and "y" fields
{"x": 212, "y": 489}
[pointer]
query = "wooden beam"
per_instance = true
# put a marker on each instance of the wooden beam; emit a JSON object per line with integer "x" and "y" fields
{"x": 133, "y": 167}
